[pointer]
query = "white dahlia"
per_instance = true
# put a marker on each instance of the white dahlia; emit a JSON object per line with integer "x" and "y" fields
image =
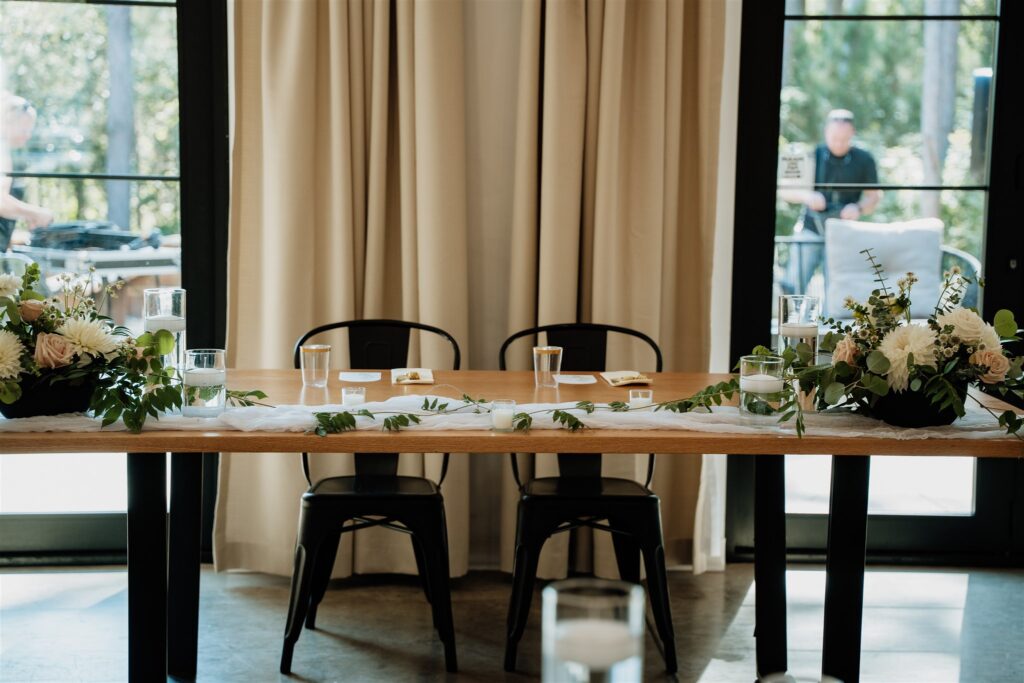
{"x": 9, "y": 284}
{"x": 10, "y": 355}
{"x": 990, "y": 339}
{"x": 900, "y": 343}
{"x": 967, "y": 324}
{"x": 88, "y": 336}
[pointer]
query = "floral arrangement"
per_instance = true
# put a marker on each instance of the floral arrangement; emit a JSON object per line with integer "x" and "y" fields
{"x": 63, "y": 345}
{"x": 881, "y": 358}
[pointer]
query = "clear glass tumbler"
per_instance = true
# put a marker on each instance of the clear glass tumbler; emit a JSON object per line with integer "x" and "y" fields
{"x": 547, "y": 362}
{"x": 163, "y": 308}
{"x": 315, "y": 361}
{"x": 798, "y": 322}
{"x": 761, "y": 386}
{"x": 592, "y": 630}
{"x": 205, "y": 383}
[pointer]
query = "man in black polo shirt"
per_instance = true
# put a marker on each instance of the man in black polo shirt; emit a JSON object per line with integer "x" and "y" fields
{"x": 836, "y": 161}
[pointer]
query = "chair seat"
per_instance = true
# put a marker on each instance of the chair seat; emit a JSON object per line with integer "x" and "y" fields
{"x": 584, "y": 487}
{"x": 370, "y": 485}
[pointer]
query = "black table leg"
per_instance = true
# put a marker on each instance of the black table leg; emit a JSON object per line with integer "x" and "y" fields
{"x": 147, "y": 567}
{"x": 770, "y": 563}
{"x": 183, "y": 571}
{"x": 844, "y": 582}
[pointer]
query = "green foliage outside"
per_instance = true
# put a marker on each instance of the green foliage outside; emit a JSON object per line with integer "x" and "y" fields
{"x": 875, "y": 69}
{"x": 55, "y": 55}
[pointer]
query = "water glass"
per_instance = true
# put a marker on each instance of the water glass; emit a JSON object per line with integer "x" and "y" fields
{"x": 798, "y": 322}
{"x": 316, "y": 363}
{"x": 503, "y": 413}
{"x": 640, "y": 398}
{"x": 205, "y": 383}
{"x": 547, "y": 362}
{"x": 163, "y": 308}
{"x": 353, "y": 396}
{"x": 761, "y": 387}
{"x": 592, "y": 630}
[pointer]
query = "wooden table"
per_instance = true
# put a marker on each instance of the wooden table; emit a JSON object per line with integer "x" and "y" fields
{"x": 153, "y": 584}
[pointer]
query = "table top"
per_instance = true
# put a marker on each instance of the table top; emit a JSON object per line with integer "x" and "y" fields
{"x": 285, "y": 387}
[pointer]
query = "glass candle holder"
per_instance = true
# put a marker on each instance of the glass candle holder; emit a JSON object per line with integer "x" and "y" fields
{"x": 798, "y": 322}
{"x": 163, "y": 308}
{"x": 204, "y": 383}
{"x": 503, "y": 414}
{"x": 547, "y": 362}
{"x": 640, "y": 398}
{"x": 592, "y": 630}
{"x": 353, "y": 396}
{"x": 315, "y": 360}
{"x": 761, "y": 386}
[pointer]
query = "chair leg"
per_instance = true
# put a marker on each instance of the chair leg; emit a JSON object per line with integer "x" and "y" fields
{"x": 323, "y": 564}
{"x": 657, "y": 587}
{"x": 431, "y": 534}
{"x": 421, "y": 567}
{"x": 297, "y": 606}
{"x": 531, "y": 533}
{"x": 627, "y": 554}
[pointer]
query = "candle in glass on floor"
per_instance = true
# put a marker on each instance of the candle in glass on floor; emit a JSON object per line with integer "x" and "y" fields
{"x": 597, "y": 644}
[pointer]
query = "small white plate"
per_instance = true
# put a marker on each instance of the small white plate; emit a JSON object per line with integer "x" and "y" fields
{"x": 576, "y": 379}
{"x": 412, "y": 376}
{"x": 359, "y": 376}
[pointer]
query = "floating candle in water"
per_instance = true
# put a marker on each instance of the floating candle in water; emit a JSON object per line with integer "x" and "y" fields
{"x": 798, "y": 330}
{"x": 761, "y": 384}
{"x": 595, "y": 643}
{"x": 205, "y": 377}
{"x": 171, "y": 323}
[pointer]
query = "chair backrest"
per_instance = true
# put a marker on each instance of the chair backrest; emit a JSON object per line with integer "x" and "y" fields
{"x": 15, "y": 264}
{"x": 584, "y": 345}
{"x": 584, "y": 348}
{"x": 911, "y": 246}
{"x": 375, "y": 344}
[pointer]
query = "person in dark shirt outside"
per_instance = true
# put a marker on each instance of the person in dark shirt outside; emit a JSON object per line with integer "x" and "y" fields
{"x": 836, "y": 162}
{"x": 17, "y": 119}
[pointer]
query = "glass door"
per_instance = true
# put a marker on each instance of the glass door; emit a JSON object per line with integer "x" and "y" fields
{"x": 91, "y": 131}
{"x": 885, "y": 113}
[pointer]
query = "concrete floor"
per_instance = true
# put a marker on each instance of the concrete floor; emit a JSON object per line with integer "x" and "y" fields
{"x": 920, "y": 625}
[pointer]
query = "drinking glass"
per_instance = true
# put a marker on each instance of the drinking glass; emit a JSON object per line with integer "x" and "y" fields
{"x": 353, "y": 396}
{"x": 798, "y": 322}
{"x": 163, "y": 308}
{"x": 547, "y": 361}
{"x": 315, "y": 360}
{"x": 640, "y": 398}
{"x": 761, "y": 387}
{"x": 592, "y": 630}
{"x": 503, "y": 413}
{"x": 205, "y": 383}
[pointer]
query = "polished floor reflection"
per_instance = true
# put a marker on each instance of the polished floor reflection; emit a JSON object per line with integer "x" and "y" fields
{"x": 961, "y": 626}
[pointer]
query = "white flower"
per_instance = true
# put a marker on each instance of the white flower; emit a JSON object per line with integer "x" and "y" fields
{"x": 10, "y": 355}
{"x": 9, "y": 284}
{"x": 88, "y": 336}
{"x": 967, "y": 324}
{"x": 901, "y": 342}
{"x": 990, "y": 338}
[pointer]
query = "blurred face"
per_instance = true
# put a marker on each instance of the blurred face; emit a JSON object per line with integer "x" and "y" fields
{"x": 17, "y": 127}
{"x": 839, "y": 137}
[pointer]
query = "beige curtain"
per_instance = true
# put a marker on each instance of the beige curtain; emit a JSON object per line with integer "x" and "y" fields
{"x": 358, "y": 128}
{"x": 348, "y": 201}
{"x": 614, "y": 213}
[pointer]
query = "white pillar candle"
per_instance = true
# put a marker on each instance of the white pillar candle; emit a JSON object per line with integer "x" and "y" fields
{"x": 352, "y": 399}
{"x": 171, "y": 323}
{"x": 501, "y": 418}
{"x": 761, "y": 384}
{"x": 798, "y": 330}
{"x": 596, "y": 643}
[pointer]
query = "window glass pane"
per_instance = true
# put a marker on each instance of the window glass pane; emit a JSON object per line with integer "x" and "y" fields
{"x": 890, "y": 7}
{"x": 102, "y": 83}
{"x": 918, "y": 93}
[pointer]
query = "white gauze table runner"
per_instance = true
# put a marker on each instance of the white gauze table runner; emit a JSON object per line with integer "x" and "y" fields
{"x": 977, "y": 424}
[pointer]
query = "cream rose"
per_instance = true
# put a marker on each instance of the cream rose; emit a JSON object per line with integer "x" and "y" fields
{"x": 31, "y": 309}
{"x": 996, "y": 363}
{"x": 846, "y": 351}
{"x": 53, "y": 351}
{"x": 967, "y": 324}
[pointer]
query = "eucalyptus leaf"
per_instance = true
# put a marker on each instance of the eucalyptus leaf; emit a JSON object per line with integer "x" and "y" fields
{"x": 834, "y": 393}
{"x": 878, "y": 363}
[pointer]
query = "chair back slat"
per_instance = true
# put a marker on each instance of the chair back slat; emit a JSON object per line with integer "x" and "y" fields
{"x": 583, "y": 349}
{"x": 378, "y": 346}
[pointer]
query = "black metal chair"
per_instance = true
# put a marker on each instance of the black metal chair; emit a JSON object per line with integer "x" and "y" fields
{"x": 375, "y": 496}
{"x": 581, "y": 497}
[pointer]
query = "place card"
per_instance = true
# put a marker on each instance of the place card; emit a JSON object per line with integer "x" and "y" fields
{"x": 359, "y": 376}
{"x": 412, "y": 376}
{"x": 576, "y": 379}
{"x": 619, "y": 378}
